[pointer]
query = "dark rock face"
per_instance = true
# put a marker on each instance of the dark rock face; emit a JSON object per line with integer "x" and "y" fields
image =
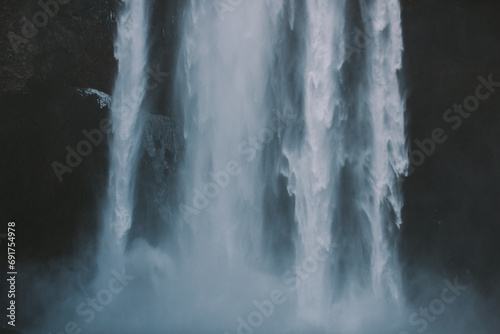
{"x": 38, "y": 129}
{"x": 69, "y": 42}
{"x": 48, "y": 54}
{"x": 451, "y": 203}
{"x": 163, "y": 138}
{"x": 4, "y": 330}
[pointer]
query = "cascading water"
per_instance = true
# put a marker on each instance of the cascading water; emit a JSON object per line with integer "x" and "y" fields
{"x": 128, "y": 94}
{"x": 290, "y": 147}
{"x": 312, "y": 163}
{"x": 344, "y": 174}
{"x": 389, "y": 159}
{"x": 226, "y": 68}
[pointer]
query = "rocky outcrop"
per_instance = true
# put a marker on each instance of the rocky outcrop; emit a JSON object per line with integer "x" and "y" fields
{"x": 63, "y": 42}
{"x": 451, "y": 198}
{"x": 53, "y": 51}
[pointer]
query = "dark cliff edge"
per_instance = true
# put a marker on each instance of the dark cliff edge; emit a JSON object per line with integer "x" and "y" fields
{"x": 50, "y": 56}
{"x": 452, "y": 224}
{"x": 67, "y": 43}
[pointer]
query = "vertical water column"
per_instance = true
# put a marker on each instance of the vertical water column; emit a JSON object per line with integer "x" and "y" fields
{"x": 389, "y": 158}
{"x": 344, "y": 174}
{"x": 128, "y": 94}
{"x": 312, "y": 178}
{"x": 222, "y": 78}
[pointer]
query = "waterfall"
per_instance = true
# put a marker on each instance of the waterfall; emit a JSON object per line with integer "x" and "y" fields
{"x": 314, "y": 162}
{"x": 344, "y": 154}
{"x": 128, "y": 94}
{"x": 344, "y": 174}
{"x": 389, "y": 155}
{"x": 225, "y": 69}
{"x": 289, "y": 179}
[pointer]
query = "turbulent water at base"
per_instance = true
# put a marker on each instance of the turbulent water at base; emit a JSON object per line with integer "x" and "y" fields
{"x": 338, "y": 148}
{"x": 128, "y": 94}
{"x": 293, "y": 125}
{"x": 344, "y": 173}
